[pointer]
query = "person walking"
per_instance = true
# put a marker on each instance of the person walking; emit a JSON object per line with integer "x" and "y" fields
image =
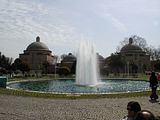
{"x": 153, "y": 84}
{"x": 158, "y": 78}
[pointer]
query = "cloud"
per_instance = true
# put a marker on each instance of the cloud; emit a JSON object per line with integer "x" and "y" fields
{"x": 114, "y": 21}
{"x": 22, "y": 21}
{"x": 61, "y": 23}
{"x": 107, "y": 10}
{"x": 119, "y": 25}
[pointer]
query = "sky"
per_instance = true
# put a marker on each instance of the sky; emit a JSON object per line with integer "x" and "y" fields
{"x": 62, "y": 24}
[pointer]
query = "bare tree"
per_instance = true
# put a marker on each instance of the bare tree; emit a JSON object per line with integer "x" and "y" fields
{"x": 154, "y": 53}
{"x": 122, "y": 43}
{"x": 158, "y": 53}
{"x": 137, "y": 40}
{"x": 63, "y": 56}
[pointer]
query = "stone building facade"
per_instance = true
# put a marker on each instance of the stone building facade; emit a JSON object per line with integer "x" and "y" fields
{"x": 135, "y": 58}
{"x": 36, "y": 54}
{"x": 69, "y": 61}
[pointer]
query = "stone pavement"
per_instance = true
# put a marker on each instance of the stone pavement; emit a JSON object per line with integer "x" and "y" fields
{"x": 29, "y": 108}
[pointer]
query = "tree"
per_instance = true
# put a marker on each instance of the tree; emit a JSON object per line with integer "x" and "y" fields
{"x": 6, "y": 64}
{"x": 3, "y": 71}
{"x": 19, "y": 65}
{"x": 63, "y": 56}
{"x": 116, "y": 62}
{"x": 137, "y": 40}
{"x": 154, "y": 53}
{"x": 45, "y": 66}
{"x": 157, "y": 66}
{"x": 157, "y": 54}
{"x": 63, "y": 71}
{"x": 24, "y": 67}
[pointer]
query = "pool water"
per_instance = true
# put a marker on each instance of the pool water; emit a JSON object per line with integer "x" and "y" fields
{"x": 69, "y": 86}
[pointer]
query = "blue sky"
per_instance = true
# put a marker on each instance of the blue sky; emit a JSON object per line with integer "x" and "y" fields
{"x": 62, "y": 24}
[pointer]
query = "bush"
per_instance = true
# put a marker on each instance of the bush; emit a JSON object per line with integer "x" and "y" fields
{"x": 63, "y": 71}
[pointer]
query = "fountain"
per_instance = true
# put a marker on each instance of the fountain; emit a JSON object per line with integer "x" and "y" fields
{"x": 86, "y": 69}
{"x": 86, "y": 78}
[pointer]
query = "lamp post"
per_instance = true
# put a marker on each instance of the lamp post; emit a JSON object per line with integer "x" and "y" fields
{"x": 55, "y": 70}
{"x": 128, "y": 68}
{"x": 55, "y": 66}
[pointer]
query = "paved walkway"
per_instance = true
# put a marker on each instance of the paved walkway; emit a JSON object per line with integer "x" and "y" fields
{"x": 28, "y": 108}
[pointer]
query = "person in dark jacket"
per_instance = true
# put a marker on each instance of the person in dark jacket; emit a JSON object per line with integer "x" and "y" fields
{"x": 153, "y": 84}
{"x": 132, "y": 107}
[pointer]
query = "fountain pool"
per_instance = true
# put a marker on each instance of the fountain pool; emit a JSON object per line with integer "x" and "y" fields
{"x": 70, "y": 86}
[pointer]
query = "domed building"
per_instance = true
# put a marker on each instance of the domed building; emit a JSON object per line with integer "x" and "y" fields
{"x": 36, "y": 55}
{"x": 137, "y": 60}
{"x": 69, "y": 61}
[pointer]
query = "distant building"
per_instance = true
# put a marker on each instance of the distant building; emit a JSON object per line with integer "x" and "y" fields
{"x": 36, "y": 55}
{"x": 69, "y": 61}
{"x": 101, "y": 64}
{"x": 136, "y": 59}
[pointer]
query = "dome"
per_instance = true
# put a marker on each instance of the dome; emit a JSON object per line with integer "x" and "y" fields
{"x": 37, "y": 45}
{"x": 69, "y": 57}
{"x": 130, "y": 47}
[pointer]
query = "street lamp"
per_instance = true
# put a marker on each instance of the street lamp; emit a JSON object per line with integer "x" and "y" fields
{"x": 55, "y": 66}
{"x": 128, "y": 68}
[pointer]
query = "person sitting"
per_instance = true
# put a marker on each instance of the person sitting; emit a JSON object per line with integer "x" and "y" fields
{"x": 133, "y": 107}
{"x": 157, "y": 118}
{"x": 144, "y": 115}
